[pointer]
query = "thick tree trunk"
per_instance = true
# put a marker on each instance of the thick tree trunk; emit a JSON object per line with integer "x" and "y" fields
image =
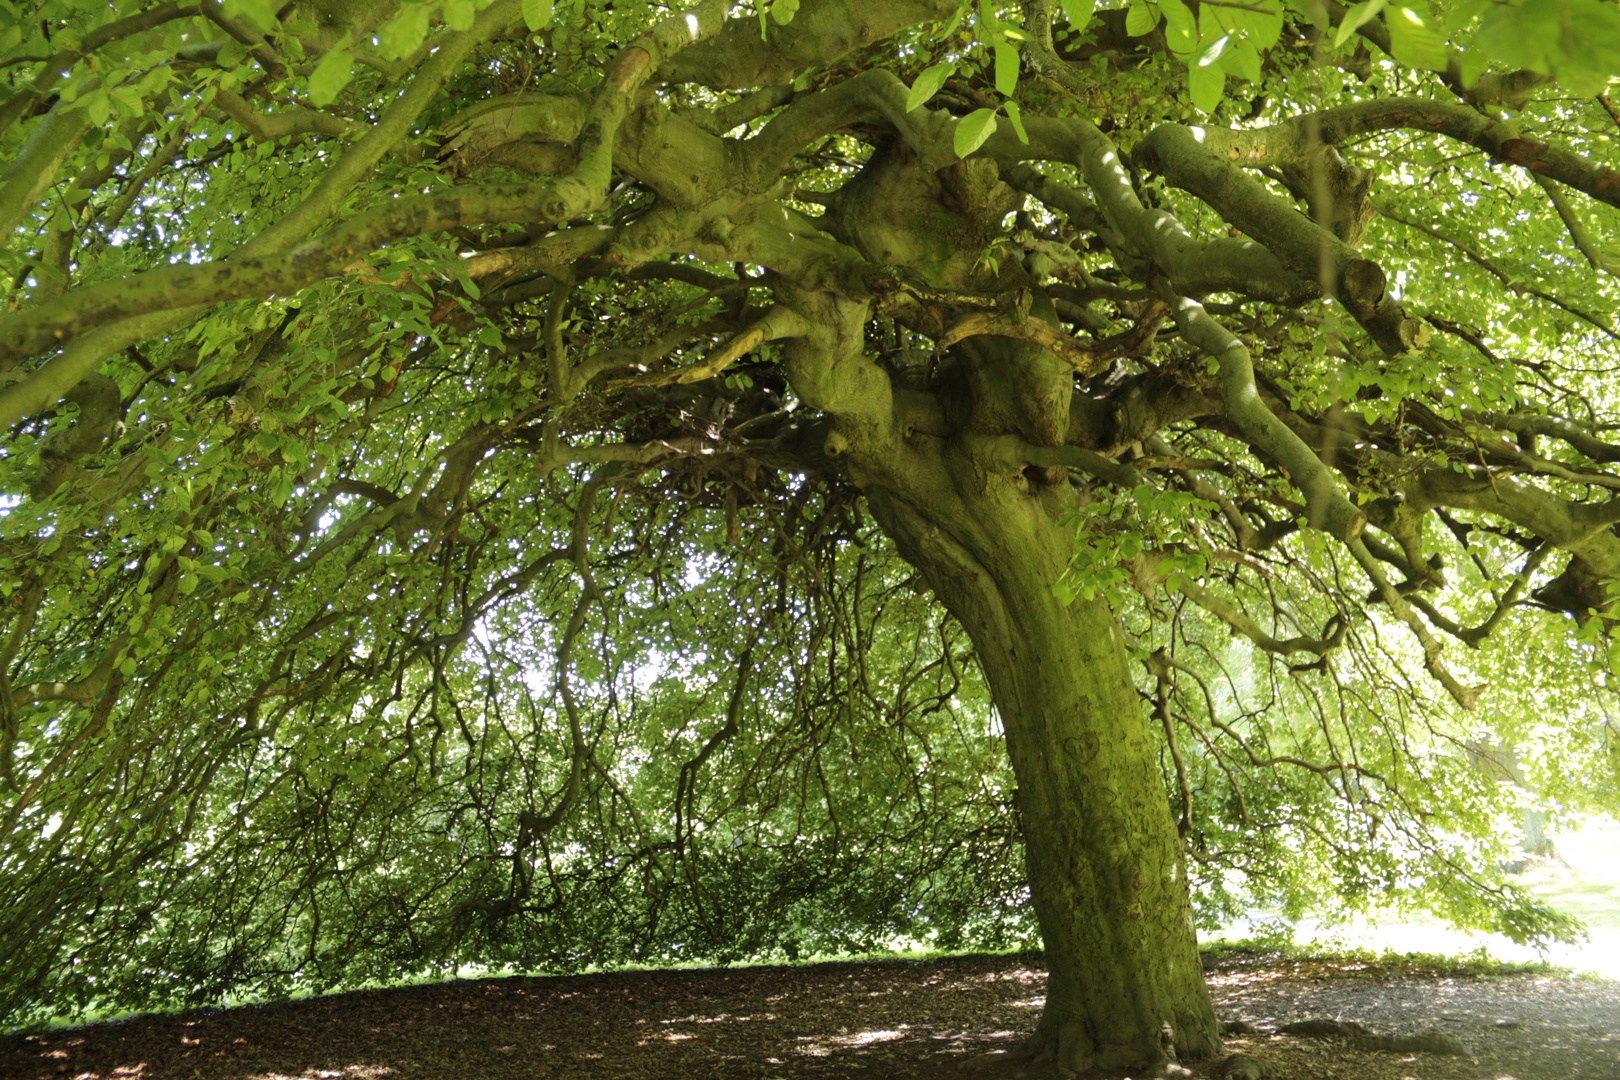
{"x": 1107, "y": 879}
{"x": 1125, "y": 988}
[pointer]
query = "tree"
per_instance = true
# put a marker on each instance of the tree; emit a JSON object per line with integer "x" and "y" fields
{"x": 463, "y": 443}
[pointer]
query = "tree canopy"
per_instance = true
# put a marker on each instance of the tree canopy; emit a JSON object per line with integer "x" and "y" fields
{"x": 544, "y": 483}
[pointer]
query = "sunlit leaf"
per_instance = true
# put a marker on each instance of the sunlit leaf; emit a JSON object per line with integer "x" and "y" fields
{"x": 537, "y": 14}
{"x": 1078, "y": 13}
{"x": 1414, "y": 40}
{"x": 1017, "y": 119}
{"x": 972, "y": 130}
{"x": 1140, "y": 18}
{"x": 1242, "y": 60}
{"x": 1354, "y": 19}
{"x": 331, "y": 75}
{"x": 1180, "y": 28}
{"x": 1213, "y": 52}
{"x": 1205, "y": 85}
{"x": 928, "y": 84}
{"x": 1006, "y": 69}
{"x": 402, "y": 34}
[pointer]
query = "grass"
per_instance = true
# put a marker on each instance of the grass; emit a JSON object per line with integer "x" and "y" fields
{"x": 1586, "y": 885}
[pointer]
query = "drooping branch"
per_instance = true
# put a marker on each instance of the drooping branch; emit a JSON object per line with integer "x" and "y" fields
{"x": 1474, "y": 635}
{"x": 97, "y": 397}
{"x": 1188, "y": 161}
{"x": 34, "y": 167}
{"x": 1583, "y": 528}
{"x": 1328, "y": 507}
{"x": 260, "y": 49}
{"x": 1578, "y": 233}
{"x": 84, "y": 352}
{"x": 255, "y": 271}
{"x": 1195, "y": 266}
{"x": 1233, "y": 616}
{"x": 1465, "y": 696}
{"x": 774, "y": 325}
{"x": 1295, "y": 141}
{"x": 1086, "y": 358}
{"x": 170, "y": 287}
{"x": 1551, "y": 427}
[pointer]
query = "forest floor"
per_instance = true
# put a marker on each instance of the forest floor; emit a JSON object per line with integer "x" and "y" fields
{"x": 890, "y": 1019}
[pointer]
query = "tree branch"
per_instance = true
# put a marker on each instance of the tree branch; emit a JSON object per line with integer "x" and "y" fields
{"x": 1293, "y": 142}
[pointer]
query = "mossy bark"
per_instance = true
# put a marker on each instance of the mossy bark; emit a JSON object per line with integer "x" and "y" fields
{"x": 1106, "y": 872}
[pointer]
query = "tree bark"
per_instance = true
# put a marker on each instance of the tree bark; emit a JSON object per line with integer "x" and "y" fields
{"x": 1107, "y": 878}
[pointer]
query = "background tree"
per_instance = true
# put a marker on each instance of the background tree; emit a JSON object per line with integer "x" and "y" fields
{"x": 466, "y": 448}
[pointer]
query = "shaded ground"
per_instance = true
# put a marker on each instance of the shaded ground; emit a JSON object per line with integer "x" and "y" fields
{"x": 890, "y": 1019}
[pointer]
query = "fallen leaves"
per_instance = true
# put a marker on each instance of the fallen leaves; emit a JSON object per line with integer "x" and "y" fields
{"x": 896, "y": 1020}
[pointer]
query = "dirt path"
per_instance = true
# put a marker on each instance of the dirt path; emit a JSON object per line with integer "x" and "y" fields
{"x": 890, "y": 1019}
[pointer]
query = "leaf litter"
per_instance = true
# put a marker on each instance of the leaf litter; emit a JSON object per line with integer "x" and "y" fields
{"x": 899, "y": 1019}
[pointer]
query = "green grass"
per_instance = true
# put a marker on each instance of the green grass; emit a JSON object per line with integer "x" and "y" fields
{"x": 1478, "y": 964}
{"x": 1589, "y": 886}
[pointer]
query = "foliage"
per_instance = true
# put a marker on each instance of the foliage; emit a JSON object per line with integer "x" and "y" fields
{"x": 438, "y": 527}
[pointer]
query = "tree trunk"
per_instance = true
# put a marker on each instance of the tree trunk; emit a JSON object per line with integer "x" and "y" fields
{"x": 1125, "y": 987}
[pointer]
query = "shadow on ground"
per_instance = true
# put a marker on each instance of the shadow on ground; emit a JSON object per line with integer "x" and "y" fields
{"x": 892, "y": 1019}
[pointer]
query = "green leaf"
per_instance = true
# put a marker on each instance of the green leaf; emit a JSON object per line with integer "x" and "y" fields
{"x": 1017, "y": 118}
{"x": 989, "y": 26}
{"x": 1261, "y": 27}
{"x": 1079, "y": 12}
{"x": 1523, "y": 36}
{"x": 972, "y": 130}
{"x": 1243, "y": 61}
{"x": 782, "y": 11}
{"x": 537, "y": 14}
{"x": 955, "y": 20}
{"x": 331, "y": 75}
{"x": 1006, "y": 69}
{"x": 1180, "y": 29}
{"x": 928, "y": 84}
{"x": 458, "y": 14}
{"x": 404, "y": 32}
{"x": 1462, "y": 15}
{"x": 1355, "y": 19}
{"x": 1414, "y": 40}
{"x": 1205, "y": 85}
{"x": 1474, "y": 63}
{"x": 97, "y": 107}
{"x": 260, "y": 14}
{"x": 1213, "y": 52}
{"x": 1595, "y": 40}
{"x": 128, "y": 100}
{"x": 1141, "y": 18}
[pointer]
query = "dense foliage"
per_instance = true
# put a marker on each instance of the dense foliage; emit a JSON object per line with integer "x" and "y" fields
{"x": 447, "y": 444}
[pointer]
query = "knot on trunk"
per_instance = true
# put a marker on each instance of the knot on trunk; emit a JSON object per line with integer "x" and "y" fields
{"x": 1335, "y": 191}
